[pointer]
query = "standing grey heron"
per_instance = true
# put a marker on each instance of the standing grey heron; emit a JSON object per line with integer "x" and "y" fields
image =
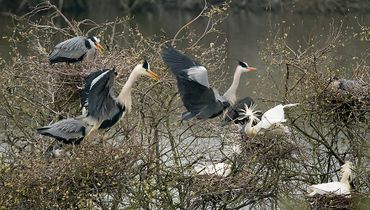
{"x": 103, "y": 109}
{"x": 200, "y": 100}
{"x": 75, "y": 49}
{"x": 272, "y": 118}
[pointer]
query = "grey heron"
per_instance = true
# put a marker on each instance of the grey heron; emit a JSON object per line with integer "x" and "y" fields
{"x": 342, "y": 187}
{"x": 76, "y": 49}
{"x": 348, "y": 85}
{"x": 200, "y": 100}
{"x": 270, "y": 119}
{"x": 103, "y": 108}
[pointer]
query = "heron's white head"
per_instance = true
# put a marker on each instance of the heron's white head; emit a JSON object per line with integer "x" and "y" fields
{"x": 144, "y": 69}
{"x": 244, "y": 67}
{"x": 96, "y": 43}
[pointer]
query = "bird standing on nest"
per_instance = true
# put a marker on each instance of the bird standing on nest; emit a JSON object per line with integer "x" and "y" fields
{"x": 76, "y": 49}
{"x": 271, "y": 119}
{"x": 200, "y": 100}
{"x": 103, "y": 109}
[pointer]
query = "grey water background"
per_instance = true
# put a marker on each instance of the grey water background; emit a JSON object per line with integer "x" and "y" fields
{"x": 246, "y": 33}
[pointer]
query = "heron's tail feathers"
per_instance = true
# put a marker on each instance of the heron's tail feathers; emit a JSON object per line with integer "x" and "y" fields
{"x": 249, "y": 111}
{"x": 43, "y": 130}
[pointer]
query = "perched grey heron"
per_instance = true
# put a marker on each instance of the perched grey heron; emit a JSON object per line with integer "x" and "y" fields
{"x": 103, "y": 108}
{"x": 75, "y": 49}
{"x": 200, "y": 100}
{"x": 348, "y": 85}
{"x": 272, "y": 118}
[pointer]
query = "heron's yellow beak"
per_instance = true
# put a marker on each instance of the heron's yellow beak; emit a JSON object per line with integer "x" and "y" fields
{"x": 153, "y": 75}
{"x": 251, "y": 69}
{"x": 99, "y": 47}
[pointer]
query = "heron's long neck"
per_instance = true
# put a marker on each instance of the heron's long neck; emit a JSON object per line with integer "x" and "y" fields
{"x": 230, "y": 94}
{"x": 345, "y": 177}
{"x": 124, "y": 96}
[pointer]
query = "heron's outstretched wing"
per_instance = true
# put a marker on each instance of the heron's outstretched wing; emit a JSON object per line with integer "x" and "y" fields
{"x": 71, "y": 130}
{"x": 199, "y": 100}
{"x": 101, "y": 104}
{"x": 85, "y": 92}
{"x": 70, "y": 50}
{"x": 233, "y": 112}
{"x": 184, "y": 67}
{"x": 192, "y": 82}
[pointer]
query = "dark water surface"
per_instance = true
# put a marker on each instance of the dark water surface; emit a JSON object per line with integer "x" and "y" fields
{"x": 246, "y": 34}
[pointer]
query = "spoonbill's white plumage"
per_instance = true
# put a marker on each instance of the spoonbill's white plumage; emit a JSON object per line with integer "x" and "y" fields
{"x": 342, "y": 187}
{"x": 269, "y": 120}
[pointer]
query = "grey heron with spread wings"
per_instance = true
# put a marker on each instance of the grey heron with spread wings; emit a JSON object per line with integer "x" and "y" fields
{"x": 200, "y": 100}
{"x": 103, "y": 109}
{"x": 76, "y": 49}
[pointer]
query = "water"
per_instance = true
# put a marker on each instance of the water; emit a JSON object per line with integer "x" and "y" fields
{"x": 246, "y": 34}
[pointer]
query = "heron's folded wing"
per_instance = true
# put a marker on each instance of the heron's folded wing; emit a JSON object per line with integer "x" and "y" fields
{"x": 100, "y": 99}
{"x": 72, "y": 48}
{"x": 66, "y": 129}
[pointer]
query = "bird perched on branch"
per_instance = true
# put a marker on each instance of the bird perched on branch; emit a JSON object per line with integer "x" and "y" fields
{"x": 272, "y": 118}
{"x": 103, "y": 109}
{"x": 200, "y": 100}
{"x": 342, "y": 187}
{"x": 76, "y": 49}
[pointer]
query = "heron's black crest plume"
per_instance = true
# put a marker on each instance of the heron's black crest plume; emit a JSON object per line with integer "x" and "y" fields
{"x": 145, "y": 65}
{"x": 243, "y": 64}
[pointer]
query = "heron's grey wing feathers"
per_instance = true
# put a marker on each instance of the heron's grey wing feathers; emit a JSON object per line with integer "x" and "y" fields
{"x": 198, "y": 99}
{"x": 66, "y": 129}
{"x": 85, "y": 92}
{"x": 184, "y": 67}
{"x": 101, "y": 103}
{"x": 72, "y": 48}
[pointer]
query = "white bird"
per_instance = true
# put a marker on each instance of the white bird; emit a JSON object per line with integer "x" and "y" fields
{"x": 218, "y": 169}
{"x": 271, "y": 119}
{"x": 336, "y": 188}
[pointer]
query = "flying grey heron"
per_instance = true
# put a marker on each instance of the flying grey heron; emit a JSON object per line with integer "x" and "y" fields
{"x": 272, "y": 118}
{"x": 103, "y": 109}
{"x": 199, "y": 99}
{"x": 75, "y": 49}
